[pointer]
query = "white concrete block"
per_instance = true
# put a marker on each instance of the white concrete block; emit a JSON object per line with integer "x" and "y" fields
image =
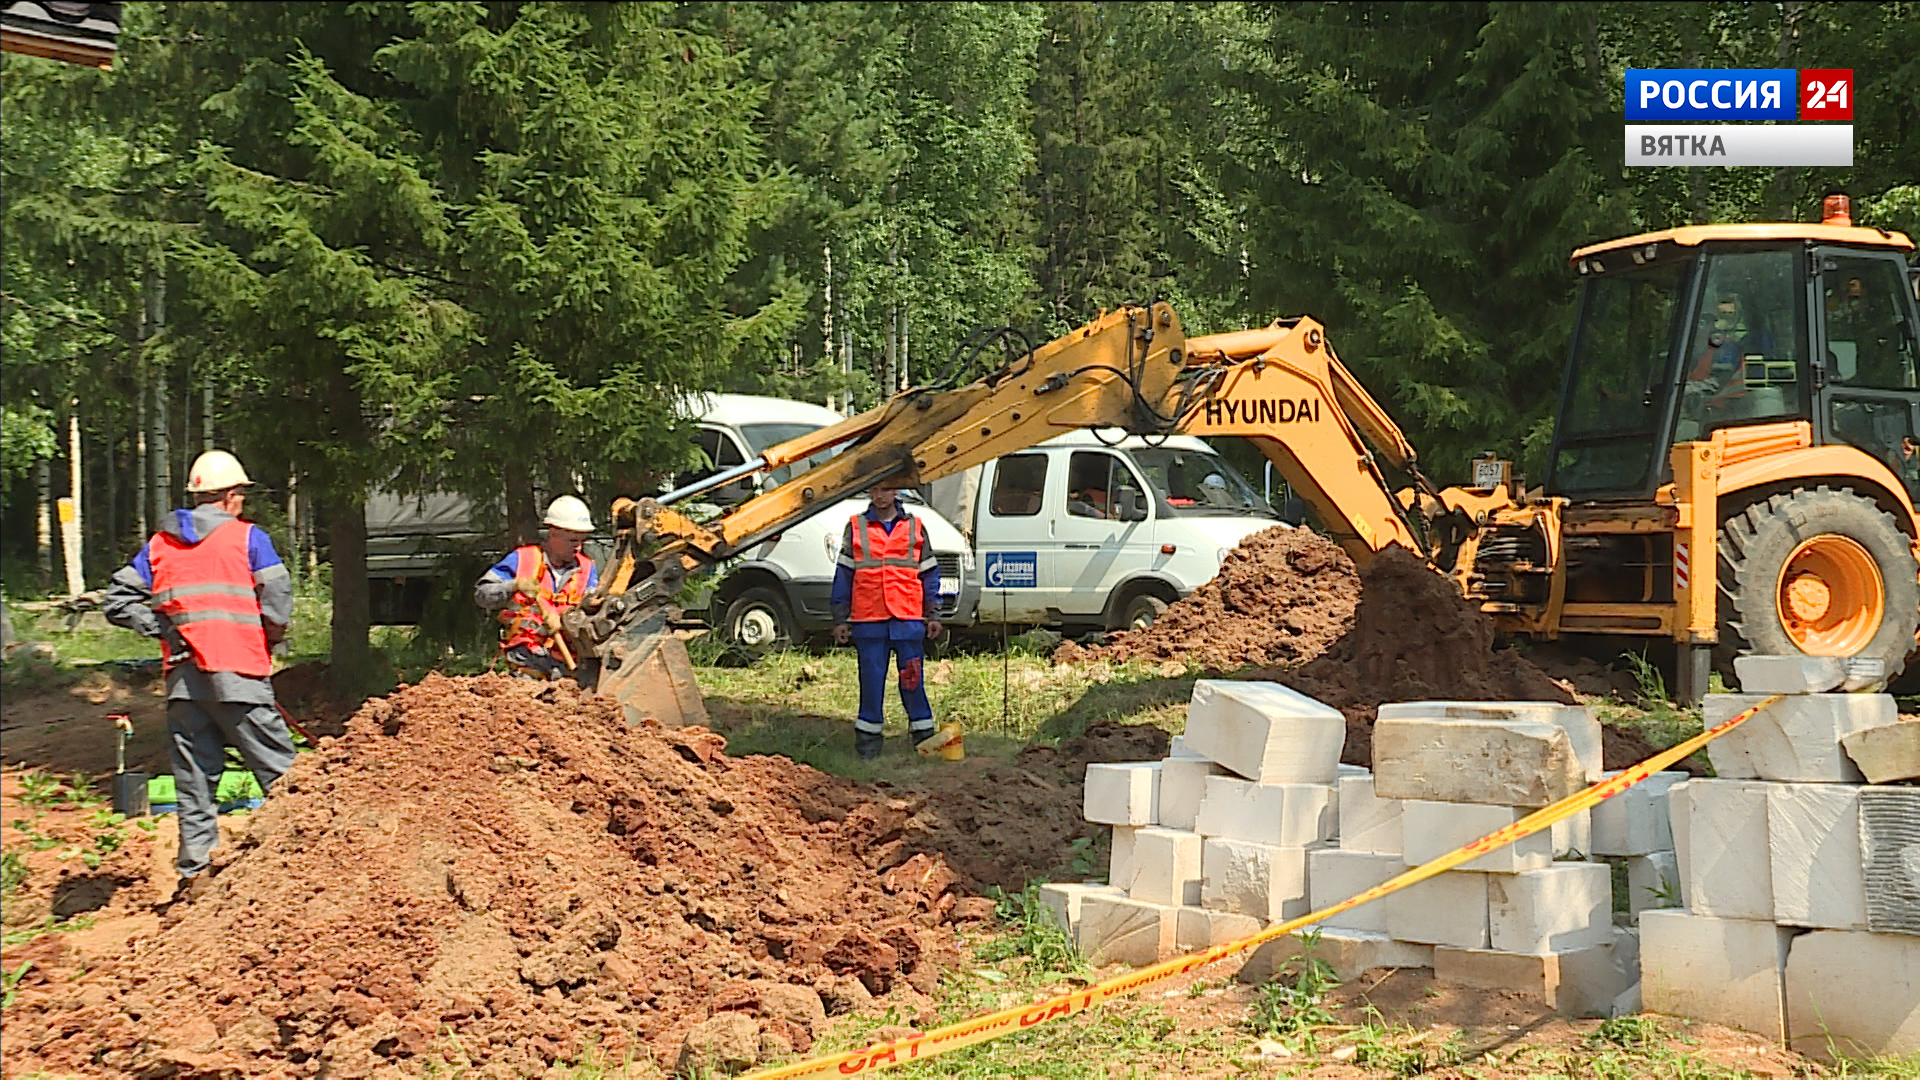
{"x": 1795, "y": 739}
{"x": 1885, "y": 754}
{"x": 1284, "y": 815}
{"x": 1813, "y": 832}
{"x": 1491, "y": 762}
{"x": 1258, "y": 880}
{"x": 1120, "y": 862}
{"x": 1183, "y": 782}
{"x": 1060, "y": 901}
{"x": 1582, "y": 727}
{"x": 1855, "y": 993}
{"x": 1124, "y": 930}
{"x": 1178, "y": 749}
{"x": 1727, "y": 870}
{"x": 1367, "y": 823}
{"x": 1264, "y": 731}
{"x": 1431, "y": 829}
{"x": 1679, "y": 813}
{"x": 1336, "y": 874}
{"x": 1572, "y": 838}
{"x": 1727, "y": 971}
{"x": 1653, "y": 881}
{"x": 1567, "y": 906}
{"x": 1166, "y": 867}
{"x": 1636, "y": 821}
{"x": 1796, "y": 674}
{"x": 1126, "y": 793}
{"x": 1585, "y": 982}
{"x": 1348, "y": 952}
{"x": 1345, "y": 770}
{"x": 1890, "y": 845}
{"x": 1448, "y": 909}
{"x": 1197, "y": 928}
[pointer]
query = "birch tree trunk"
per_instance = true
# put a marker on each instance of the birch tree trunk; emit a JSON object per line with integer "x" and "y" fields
{"x": 70, "y": 521}
{"x": 159, "y": 429}
{"x": 43, "y": 522}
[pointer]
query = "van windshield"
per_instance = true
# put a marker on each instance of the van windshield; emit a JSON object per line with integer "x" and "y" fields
{"x": 761, "y": 436}
{"x": 1192, "y": 483}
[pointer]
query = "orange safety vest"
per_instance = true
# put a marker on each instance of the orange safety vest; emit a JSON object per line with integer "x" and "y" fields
{"x": 886, "y": 570}
{"x": 206, "y": 591}
{"x": 524, "y": 621}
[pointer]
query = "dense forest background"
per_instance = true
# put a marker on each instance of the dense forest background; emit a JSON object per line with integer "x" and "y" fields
{"x": 493, "y": 246}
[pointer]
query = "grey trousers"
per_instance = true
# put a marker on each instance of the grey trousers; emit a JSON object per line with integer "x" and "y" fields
{"x": 202, "y": 731}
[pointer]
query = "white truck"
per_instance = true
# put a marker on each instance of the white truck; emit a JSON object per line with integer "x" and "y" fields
{"x": 777, "y": 593}
{"x": 1098, "y": 530}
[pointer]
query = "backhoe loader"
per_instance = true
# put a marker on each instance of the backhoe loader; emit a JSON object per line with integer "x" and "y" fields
{"x": 1745, "y": 392}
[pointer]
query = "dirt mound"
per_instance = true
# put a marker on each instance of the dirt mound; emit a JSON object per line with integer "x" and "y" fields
{"x": 1282, "y": 597}
{"x": 495, "y": 872}
{"x": 302, "y": 690}
{"x": 1414, "y": 638}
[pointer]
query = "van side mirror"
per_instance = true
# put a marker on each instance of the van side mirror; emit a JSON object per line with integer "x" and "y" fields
{"x": 1130, "y": 504}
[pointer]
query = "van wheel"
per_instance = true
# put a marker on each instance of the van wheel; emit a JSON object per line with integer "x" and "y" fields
{"x": 759, "y": 621}
{"x": 1820, "y": 572}
{"x": 1141, "y": 611}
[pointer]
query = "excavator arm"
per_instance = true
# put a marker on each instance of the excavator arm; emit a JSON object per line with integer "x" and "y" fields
{"x": 1132, "y": 368}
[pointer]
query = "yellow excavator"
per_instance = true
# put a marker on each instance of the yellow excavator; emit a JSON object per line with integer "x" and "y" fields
{"x": 1734, "y": 466}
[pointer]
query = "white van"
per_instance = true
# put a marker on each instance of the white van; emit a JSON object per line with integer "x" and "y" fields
{"x": 1098, "y": 529}
{"x": 777, "y": 593}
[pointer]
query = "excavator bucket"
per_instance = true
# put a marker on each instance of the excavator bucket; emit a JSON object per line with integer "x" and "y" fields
{"x": 647, "y": 670}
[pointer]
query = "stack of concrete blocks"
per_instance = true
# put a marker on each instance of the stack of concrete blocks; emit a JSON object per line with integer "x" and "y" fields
{"x": 1251, "y": 820}
{"x": 1210, "y": 844}
{"x": 1801, "y": 882}
{"x": 1517, "y": 918}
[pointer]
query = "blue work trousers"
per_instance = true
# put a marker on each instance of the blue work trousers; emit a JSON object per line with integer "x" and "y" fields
{"x": 875, "y": 643}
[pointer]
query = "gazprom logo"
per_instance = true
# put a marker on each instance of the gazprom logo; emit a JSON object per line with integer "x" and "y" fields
{"x": 1667, "y": 94}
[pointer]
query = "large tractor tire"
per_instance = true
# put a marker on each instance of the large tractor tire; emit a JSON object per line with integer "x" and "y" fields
{"x": 1820, "y": 572}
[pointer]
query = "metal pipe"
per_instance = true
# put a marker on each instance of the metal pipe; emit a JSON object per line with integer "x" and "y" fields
{"x": 719, "y": 479}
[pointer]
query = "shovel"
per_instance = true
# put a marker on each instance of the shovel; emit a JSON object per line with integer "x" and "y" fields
{"x": 129, "y": 788}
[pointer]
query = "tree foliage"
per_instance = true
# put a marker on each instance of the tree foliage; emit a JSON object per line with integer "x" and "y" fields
{"x": 497, "y": 246}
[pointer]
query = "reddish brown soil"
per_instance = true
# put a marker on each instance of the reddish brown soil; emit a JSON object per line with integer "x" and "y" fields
{"x": 1414, "y": 639}
{"x": 302, "y": 691}
{"x": 494, "y": 871}
{"x": 1283, "y": 596}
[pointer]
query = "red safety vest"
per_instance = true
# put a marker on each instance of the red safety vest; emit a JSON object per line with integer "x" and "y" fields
{"x": 206, "y": 591}
{"x": 886, "y": 570}
{"x": 523, "y": 622}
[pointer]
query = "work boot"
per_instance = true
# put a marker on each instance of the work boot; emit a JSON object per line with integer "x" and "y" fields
{"x": 868, "y": 745}
{"x": 916, "y": 736}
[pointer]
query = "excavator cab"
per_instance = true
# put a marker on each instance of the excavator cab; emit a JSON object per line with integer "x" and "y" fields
{"x": 1736, "y": 460}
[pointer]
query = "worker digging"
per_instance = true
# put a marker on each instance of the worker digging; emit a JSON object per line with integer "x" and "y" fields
{"x": 885, "y": 589}
{"x": 537, "y": 584}
{"x": 212, "y": 590}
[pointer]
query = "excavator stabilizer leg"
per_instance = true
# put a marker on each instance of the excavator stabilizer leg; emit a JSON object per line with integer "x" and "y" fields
{"x": 647, "y": 670}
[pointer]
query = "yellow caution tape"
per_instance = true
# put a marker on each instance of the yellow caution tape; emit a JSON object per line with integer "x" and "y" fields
{"x": 1021, "y": 1017}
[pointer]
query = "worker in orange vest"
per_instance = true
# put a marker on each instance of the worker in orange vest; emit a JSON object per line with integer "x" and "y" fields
{"x": 886, "y": 592}
{"x": 213, "y": 590}
{"x": 535, "y": 585}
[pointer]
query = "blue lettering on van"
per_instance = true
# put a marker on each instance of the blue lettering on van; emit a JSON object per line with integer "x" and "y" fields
{"x": 1013, "y": 569}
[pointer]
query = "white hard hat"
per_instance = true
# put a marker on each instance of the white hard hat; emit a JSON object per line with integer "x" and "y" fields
{"x": 216, "y": 470}
{"x": 567, "y": 512}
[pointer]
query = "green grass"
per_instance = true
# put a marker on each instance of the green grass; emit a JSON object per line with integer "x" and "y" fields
{"x": 802, "y": 703}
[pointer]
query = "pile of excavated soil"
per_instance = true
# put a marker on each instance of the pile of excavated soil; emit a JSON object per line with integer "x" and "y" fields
{"x": 1282, "y": 597}
{"x": 1414, "y": 638}
{"x": 498, "y": 872}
